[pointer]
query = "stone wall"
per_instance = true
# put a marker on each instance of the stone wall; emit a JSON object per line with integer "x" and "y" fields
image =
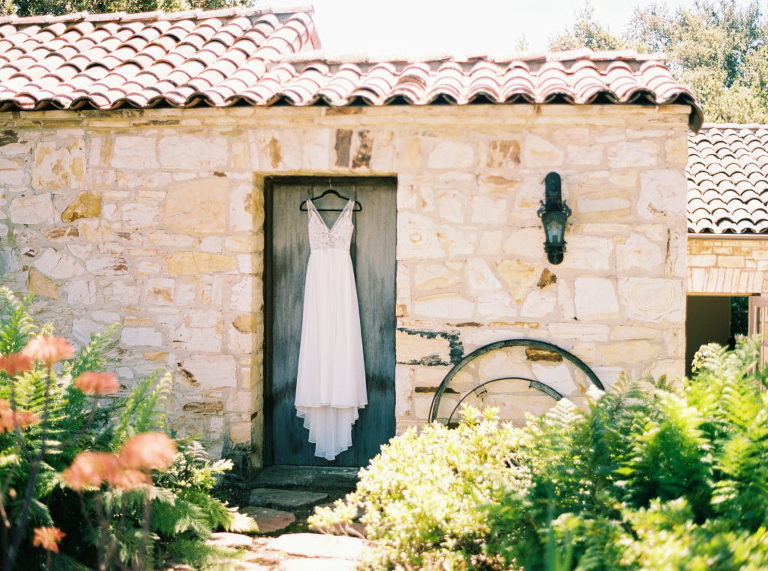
{"x": 727, "y": 266}
{"x": 154, "y": 220}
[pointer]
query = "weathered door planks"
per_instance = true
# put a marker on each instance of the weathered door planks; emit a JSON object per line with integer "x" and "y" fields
{"x": 286, "y": 254}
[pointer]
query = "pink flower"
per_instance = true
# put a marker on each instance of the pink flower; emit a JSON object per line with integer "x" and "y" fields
{"x": 48, "y": 349}
{"x": 97, "y": 383}
{"x": 15, "y": 363}
{"x": 148, "y": 451}
{"x": 48, "y": 538}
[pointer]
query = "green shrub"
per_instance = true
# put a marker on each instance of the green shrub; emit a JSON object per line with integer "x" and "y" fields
{"x": 423, "y": 496}
{"x": 182, "y": 511}
{"x": 651, "y": 476}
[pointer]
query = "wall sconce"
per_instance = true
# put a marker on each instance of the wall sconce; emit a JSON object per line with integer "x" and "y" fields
{"x": 554, "y": 215}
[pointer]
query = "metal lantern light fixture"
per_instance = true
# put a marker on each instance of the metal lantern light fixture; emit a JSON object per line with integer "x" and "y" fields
{"x": 554, "y": 215}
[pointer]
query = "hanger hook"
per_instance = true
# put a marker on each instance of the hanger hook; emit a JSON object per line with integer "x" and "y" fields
{"x": 330, "y": 183}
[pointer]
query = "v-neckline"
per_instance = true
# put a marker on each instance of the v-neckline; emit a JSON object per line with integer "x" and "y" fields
{"x": 335, "y": 222}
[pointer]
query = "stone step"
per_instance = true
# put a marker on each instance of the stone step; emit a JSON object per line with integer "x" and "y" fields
{"x": 269, "y": 520}
{"x": 285, "y": 499}
{"x": 325, "y": 478}
{"x": 318, "y": 546}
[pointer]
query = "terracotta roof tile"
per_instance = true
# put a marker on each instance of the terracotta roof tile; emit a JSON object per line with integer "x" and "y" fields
{"x": 728, "y": 180}
{"x": 257, "y": 56}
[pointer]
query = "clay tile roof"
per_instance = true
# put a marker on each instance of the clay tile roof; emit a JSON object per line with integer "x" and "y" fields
{"x": 728, "y": 180}
{"x": 260, "y": 56}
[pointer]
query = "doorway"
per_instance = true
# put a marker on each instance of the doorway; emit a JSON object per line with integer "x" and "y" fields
{"x": 714, "y": 319}
{"x": 373, "y": 256}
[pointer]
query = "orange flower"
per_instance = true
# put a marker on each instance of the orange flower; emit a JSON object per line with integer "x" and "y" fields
{"x": 97, "y": 383}
{"x": 48, "y": 349}
{"x": 10, "y": 419}
{"x": 129, "y": 479}
{"x": 148, "y": 451}
{"x": 48, "y": 538}
{"x": 90, "y": 469}
{"x": 15, "y": 363}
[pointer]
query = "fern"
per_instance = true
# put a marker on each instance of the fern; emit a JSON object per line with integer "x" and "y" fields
{"x": 143, "y": 409}
{"x": 97, "y": 355}
{"x": 16, "y": 325}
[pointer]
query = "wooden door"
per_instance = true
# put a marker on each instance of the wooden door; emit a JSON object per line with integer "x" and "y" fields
{"x": 286, "y": 255}
{"x": 758, "y": 316}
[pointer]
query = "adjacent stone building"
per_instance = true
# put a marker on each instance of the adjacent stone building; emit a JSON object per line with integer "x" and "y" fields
{"x": 150, "y": 166}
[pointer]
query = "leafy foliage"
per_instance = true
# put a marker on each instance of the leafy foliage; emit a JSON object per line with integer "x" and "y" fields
{"x": 423, "y": 496}
{"x": 652, "y": 476}
{"x": 183, "y": 511}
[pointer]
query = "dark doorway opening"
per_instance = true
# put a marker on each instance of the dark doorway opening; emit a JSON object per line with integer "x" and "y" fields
{"x": 714, "y": 319}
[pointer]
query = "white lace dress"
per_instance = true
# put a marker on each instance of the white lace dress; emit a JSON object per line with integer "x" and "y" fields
{"x": 330, "y": 387}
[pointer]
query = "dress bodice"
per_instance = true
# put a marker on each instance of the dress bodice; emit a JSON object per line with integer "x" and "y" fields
{"x": 338, "y": 236}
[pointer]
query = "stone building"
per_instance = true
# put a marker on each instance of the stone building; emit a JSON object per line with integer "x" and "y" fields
{"x": 152, "y": 168}
{"x": 727, "y": 225}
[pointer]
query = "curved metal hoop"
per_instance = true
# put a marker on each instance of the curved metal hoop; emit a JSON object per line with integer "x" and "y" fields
{"x": 581, "y": 365}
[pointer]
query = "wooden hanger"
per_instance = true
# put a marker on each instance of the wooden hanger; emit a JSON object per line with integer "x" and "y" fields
{"x": 357, "y": 208}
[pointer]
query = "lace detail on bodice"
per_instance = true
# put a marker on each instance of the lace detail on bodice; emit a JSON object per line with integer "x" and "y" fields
{"x": 338, "y": 236}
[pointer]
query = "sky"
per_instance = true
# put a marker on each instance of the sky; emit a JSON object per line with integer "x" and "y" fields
{"x": 455, "y": 27}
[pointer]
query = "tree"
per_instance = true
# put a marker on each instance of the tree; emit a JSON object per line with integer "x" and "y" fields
{"x": 587, "y": 32}
{"x": 719, "y": 48}
{"x": 32, "y": 7}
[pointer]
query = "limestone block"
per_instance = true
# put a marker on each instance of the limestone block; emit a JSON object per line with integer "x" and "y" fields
{"x": 587, "y": 253}
{"x": 584, "y": 155}
{"x": 633, "y": 154}
{"x": 205, "y": 151}
{"x": 41, "y": 286}
{"x": 211, "y": 371}
{"x": 140, "y": 214}
{"x": 58, "y": 265}
{"x": 32, "y": 209}
{"x": 480, "y": 278}
{"x": 141, "y": 336}
{"x": 403, "y": 389}
{"x": 134, "y": 152}
{"x": 58, "y": 164}
{"x": 609, "y": 376}
{"x": 676, "y": 150}
{"x": 239, "y": 343}
{"x": 80, "y": 292}
{"x": 198, "y": 205}
{"x": 557, "y": 376}
{"x": 451, "y": 155}
{"x": 571, "y": 330}
{"x": 184, "y": 263}
{"x": 456, "y": 241}
{"x": 653, "y": 299}
{"x": 435, "y": 276}
{"x": 639, "y": 253}
{"x": 539, "y": 303}
{"x": 489, "y": 210}
{"x": 243, "y": 295}
{"x": 628, "y": 352}
{"x": 451, "y": 206}
{"x": 595, "y": 299}
{"x": 86, "y": 205}
{"x": 246, "y": 208}
{"x": 240, "y": 432}
{"x": 491, "y": 243}
{"x": 107, "y": 265}
{"x": 13, "y": 178}
{"x": 519, "y": 277}
{"x": 565, "y": 300}
{"x": 83, "y": 328}
{"x": 159, "y": 291}
{"x": 425, "y": 348}
{"x": 497, "y": 364}
{"x": 417, "y": 237}
{"x": 527, "y": 243}
{"x": 495, "y": 184}
{"x": 504, "y": 153}
{"x": 447, "y": 306}
{"x": 120, "y": 292}
{"x": 672, "y": 368}
{"x": 538, "y": 152}
{"x": 662, "y": 193}
{"x": 205, "y": 339}
{"x": 496, "y": 305}
{"x": 605, "y": 202}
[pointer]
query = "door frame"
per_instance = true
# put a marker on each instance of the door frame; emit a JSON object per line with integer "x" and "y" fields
{"x": 267, "y": 310}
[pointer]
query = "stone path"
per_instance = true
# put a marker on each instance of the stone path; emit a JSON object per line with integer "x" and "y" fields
{"x": 276, "y": 508}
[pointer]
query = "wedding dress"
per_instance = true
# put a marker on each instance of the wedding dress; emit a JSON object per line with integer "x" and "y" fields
{"x": 330, "y": 386}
